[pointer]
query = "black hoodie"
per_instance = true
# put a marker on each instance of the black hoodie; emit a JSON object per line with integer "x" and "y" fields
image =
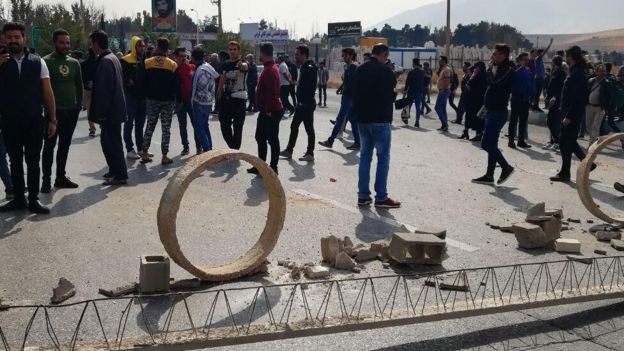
{"x": 499, "y": 87}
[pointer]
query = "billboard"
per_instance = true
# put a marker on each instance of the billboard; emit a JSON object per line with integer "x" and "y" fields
{"x": 164, "y": 16}
{"x": 273, "y": 36}
{"x": 344, "y": 29}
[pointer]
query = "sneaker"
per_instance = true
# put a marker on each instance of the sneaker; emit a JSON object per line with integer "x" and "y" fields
{"x": 253, "y": 170}
{"x": 555, "y": 147}
{"x": 286, "y": 154}
{"x": 443, "y": 129}
{"x": 417, "y": 125}
{"x": 619, "y": 187}
{"x": 327, "y": 143}
{"x": 365, "y": 201}
{"x": 166, "y": 161}
{"x": 115, "y": 182}
{"x": 564, "y": 178}
{"x": 593, "y": 167}
{"x": 36, "y": 207}
{"x": 505, "y": 175}
{"x": 524, "y": 145}
{"x": 185, "y": 151}
{"x": 132, "y": 155}
{"x": 486, "y": 179}
{"x": 14, "y": 205}
{"x": 388, "y": 203}
{"x": 477, "y": 137}
{"x": 274, "y": 168}
{"x": 46, "y": 187}
{"x": 307, "y": 157}
{"x": 353, "y": 147}
{"x": 64, "y": 183}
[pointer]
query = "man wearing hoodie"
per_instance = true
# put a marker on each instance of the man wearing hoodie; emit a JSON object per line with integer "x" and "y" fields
{"x": 133, "y": 66}
{"x": 202, "y": 98}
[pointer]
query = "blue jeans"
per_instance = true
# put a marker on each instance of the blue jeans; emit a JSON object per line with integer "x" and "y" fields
{"x": 494, "y": 123}
{"x": 182, "y": 110}
{"x": 345, "y": 114}
{"x": 5, "y": 173}
{"x": 200, "y": 124}
{"x": 440, "y": 107}
{"x": 374, "y": 136}
{"x": 417, "y": 100}
{"x": 136, "y": 108}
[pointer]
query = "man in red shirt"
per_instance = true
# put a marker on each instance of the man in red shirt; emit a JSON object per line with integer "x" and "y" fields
{"x": 183, "y": 103}
{"x": 270, "y": 107}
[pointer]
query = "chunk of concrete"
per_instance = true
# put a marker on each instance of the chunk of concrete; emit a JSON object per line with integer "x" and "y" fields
{"x": 417, "y": 248}
{"x": 530, "y": 236}
{"x": 554, "y": 212}
{"x": 574, "y": 220}
{"x": 600, "y": 252}
{"x": 316, "y": 272}
{"x": 604, "y": 228}
{"x": 439, "y": 232}
{"x": 295, "y": 273}
{"x": 120, "y": 291}
{"x": 608, "y": 236}
{"x": 154, "y": 274}
{"x": 568, "y": 245}
{"x": 507, "y": 229}
{"x": 617, "y": 244}
{"x": 344, "y": 262}
{"x": 347, "y": 245}
{"x": 581, "y": 259}
{"x": 365, "y": 255}
{"x": 380, "y": 247}
{"x": 63, "y": 291}
{"x": 537, "y": 210}
{"x": 330, "y": 247}
{"x": 549, "y": 224}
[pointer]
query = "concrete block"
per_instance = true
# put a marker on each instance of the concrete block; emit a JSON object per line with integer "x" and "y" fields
{"x": 568, "y": 245}
{"x": 600, "y": 252}
{"x": 330, "y": 247}
{"x": 347, "y": 245}
{"x": 120, "y": 291}
{"x": 439, "y": 232}
{"x": 581, "y": 259}
{"x": 608, "y": 236}
{"x": 381, "y": 248}
{"x": 365, "y": 255}
{"x": 63, "y": 291}
{"x": 344, "y": 262}
{"x": 316, "y": 272}
{"x": 551, "y": 226}
{"x": 617, "y": 244}
{"x": 537, "y": 210}
{"x": 604, "y": 228}
{"x": 154, "y": 274}
{"x": 554, "y": 212}
{"x": 417, "y": 248}
{"x": 530, "y": 236}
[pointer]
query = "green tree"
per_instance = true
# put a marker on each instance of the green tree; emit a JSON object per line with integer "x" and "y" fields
{"x": 221, "y": 43}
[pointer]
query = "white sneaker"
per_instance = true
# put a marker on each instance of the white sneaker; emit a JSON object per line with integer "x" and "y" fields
{"x": 132, "y": 155}
{"x": 547, "y": 146}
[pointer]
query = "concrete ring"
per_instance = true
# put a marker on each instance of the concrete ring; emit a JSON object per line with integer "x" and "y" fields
{"x": 170, "y": 204}
{"x": 582, "y": 177}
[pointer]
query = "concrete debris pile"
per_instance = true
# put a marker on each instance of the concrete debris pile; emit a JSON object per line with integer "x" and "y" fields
{"x": 541, "y": 228}
{"x": 63, "y": 291}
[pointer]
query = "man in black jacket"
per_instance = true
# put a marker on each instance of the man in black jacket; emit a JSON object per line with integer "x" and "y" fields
{"x": 306, "y": 104}
{"x": 500, "y": 80}
{"x": 414, "y": 87}
{"x": 294, "y": 76}
{"x": 573, "y": 101}
{"x": 553, "y": 97}
{"x": 461, "y": 107}
{"x": 373, "y": 99}
{"x": 24, "y": 87}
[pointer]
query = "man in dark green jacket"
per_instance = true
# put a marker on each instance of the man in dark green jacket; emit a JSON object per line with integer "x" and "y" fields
{"x": 66, "y": 79}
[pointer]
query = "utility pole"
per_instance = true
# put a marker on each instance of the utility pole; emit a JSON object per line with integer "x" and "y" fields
{"x": 197, "y": 26}
{"x": 448, "y": 28}
{"x": 218, "y": 3}
{"x": 83, "y": 14}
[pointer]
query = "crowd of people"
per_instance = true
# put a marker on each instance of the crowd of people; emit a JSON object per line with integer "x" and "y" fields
{"x": 127, "y": 95}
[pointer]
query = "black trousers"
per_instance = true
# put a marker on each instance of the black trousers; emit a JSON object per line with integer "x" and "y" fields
{"x": 554, "y": 124}
{"x": 568, "y": 145}
{"x": 461, "y": 108}
{"x": 293, "y": 94}
{"x": 23, "y": 143}
{"x": 267, "y": 132}
{"x": 284, "y": 93}
{"x": 452, "y": 101}
{"x": 519, "y": 119}
{"x": 251, "y": 91}
{"x": 112, "y": 147}
{"x": 322, "y": 94}
{"x": 232, "y": 119}
{"x": 304, "y": 114}
{"x": 66, "y": 124}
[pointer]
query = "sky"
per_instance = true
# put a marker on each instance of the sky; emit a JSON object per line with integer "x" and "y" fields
{"x": 298, "y": 16}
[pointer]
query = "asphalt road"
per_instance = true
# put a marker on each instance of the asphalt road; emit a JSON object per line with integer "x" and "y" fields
{"x": 95, "y": 235}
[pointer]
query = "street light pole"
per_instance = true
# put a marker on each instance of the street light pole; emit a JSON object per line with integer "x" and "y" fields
{"x": 197, "y": 26}
{"x": 218, "y": 3}
{"x": 448, "y": 28}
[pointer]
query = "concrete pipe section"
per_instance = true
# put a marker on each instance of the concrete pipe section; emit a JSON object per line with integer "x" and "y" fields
{"x": 170, "y": 204}
{"x": 582, "y": 177}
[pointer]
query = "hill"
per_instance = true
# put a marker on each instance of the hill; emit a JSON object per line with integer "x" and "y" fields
{"x": 610, "y": 40}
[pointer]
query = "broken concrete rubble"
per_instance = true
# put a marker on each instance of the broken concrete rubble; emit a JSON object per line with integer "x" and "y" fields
{"x": 530, "y": 236}
{"x": 317, "y": 272}
{"x": 550, "y": 225}
{"x": 417, "y": 248}
{"x": 617, "y": 244}
{"x": 537, "y": 210}
{"x": 568, "y": 245}
{"x": 608, "y": 235}
{"x": 63, "y": 291}
{"x": 541, "y": 229}
{"x": 120, "y": 291}
{"x": 347, "y": 245}
{"x": 365, "y": 255}
{"x": 439, "y": 232}
{"x": 330, "y": 247}
{"x": 344, "y": 261}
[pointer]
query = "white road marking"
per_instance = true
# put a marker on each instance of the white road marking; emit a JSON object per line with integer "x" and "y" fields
{"x": 372, "y": 215}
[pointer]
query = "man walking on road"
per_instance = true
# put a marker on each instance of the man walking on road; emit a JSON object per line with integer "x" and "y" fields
{"x": 108, "y": 108}
{"x": 444, "y": 92}
{"x": 271, "y": 109}
{"x": 162, "y": 83}
{"x": 461, "y": 107}
{"x": 373, "y": 100}
{"x": 294, "y": 78}
{"x": 553, "y": 101}
{"x": 66, "y": 79}
{"x": 323, "y": 78}
{"x": 500, "y": 81}
{"x": 203, "y": 98}
{"x": 233, "y": 97}
{"x": 414, "y": 86}
{"x": 184, "y": 107}
{"x": 598, "y": 91}
{"x": 285, "y": 80}
{"x": 252, "y": 82}
{"x": 133, "y": 66}
{"x": 346, "y": 103}
{"x": 306, "y": 104}
{"x": 537, "y": 56}
{"x": 24, "y": 87}
{"x": 521, "y": 93}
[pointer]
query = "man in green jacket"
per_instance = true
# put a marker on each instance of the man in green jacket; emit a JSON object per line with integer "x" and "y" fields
{"x": 66, "y": 79}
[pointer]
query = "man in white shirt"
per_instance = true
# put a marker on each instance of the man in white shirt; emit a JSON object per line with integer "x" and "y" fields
{"x": 24, "y": 88}
{"x": 285, "y": 82}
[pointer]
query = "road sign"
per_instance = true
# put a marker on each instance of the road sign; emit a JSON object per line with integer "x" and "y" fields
{"x": 344, "y": 29}
{"x": 36, "y": 36}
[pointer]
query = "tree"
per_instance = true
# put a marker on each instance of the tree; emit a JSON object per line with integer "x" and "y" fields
{"x": 222, "y": 42}
{"x": 263, "y": 25}
{"x": 22, "y": 11}
{"x": 185, "y": 23}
